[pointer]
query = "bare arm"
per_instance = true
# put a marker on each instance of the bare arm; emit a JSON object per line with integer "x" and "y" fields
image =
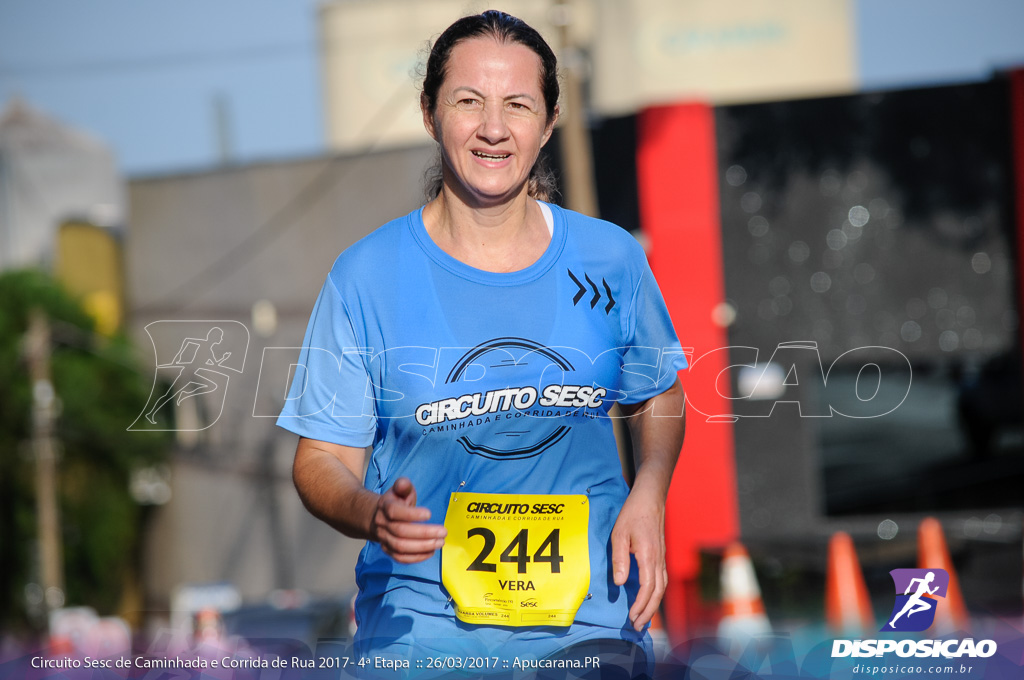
{"x": 327, "y": 479}
{"x": 657, "y": 427}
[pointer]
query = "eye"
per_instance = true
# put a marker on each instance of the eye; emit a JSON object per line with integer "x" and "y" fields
{"x": 469, "y": 104}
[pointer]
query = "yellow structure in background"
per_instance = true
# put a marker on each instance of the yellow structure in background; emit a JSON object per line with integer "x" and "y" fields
{"x": 89, "y": 264}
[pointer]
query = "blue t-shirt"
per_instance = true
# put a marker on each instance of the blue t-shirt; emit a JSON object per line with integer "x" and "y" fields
{"x": 463, "y": 379}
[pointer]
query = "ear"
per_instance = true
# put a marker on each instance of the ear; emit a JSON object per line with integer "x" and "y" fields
{"x": 428, "y": 118}
{"x": 550, "y": 126}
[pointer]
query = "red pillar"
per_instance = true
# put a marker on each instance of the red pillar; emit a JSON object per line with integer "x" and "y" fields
{"x": 679, "y": 209}
{"x": 1017, "y": 135}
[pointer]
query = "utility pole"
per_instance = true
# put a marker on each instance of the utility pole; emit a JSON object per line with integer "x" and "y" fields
{"x": 47, "y": 510}
{"x": 578, "y": 166}
{"x": 222, "y": 129}
{"x": 577, "y": 162}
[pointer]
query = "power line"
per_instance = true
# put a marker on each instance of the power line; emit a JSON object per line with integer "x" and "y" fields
{"x": 157, "y": 62}
{"x": 284, "y": 219}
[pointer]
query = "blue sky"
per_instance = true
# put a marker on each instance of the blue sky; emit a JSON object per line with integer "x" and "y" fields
{"x": 144, "y": 76}
{"x": 918, "y": 42}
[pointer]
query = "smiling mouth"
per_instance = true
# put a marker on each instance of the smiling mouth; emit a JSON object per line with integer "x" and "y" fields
{"x": 491, "y": 156}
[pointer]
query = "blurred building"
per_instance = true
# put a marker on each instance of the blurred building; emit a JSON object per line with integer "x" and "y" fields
{"x": 857, "y": 257}
{"x": 635, "y": 53}
{"x": 50, "y": 174}
{"x": 245, "y": 250}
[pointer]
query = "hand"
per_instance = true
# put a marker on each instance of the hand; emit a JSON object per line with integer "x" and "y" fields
{"x": 640, "y": 530}
{"x": 398, "y": 525}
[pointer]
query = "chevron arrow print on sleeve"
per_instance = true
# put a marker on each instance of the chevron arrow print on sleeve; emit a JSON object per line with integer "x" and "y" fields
{"x": 597, "y": 293}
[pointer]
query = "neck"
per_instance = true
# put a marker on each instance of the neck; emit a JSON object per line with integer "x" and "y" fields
{"x": 501, "y": 237}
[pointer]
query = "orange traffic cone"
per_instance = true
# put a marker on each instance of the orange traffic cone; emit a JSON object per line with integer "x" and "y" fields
{"x": 847, "y": 604}
{"x": 61, "y": 645}
{"x": 932, "y": 553}
{"x": 743, "y": 614}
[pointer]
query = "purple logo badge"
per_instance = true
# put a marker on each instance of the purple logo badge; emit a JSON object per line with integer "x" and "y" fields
{"x": 916, "y": 590}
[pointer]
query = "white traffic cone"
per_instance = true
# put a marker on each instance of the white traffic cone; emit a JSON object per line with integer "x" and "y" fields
{"x": 743, "y": 615}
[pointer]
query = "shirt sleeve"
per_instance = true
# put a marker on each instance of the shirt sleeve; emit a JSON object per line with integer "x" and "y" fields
{"x": 653, "y": 355}
{"x": 331, "y": 397}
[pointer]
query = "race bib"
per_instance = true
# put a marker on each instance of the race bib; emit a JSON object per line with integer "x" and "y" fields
{"x": 516, "y": 559}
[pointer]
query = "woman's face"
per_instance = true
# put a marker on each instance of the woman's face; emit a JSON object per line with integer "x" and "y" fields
{"x": 490, "y": 119}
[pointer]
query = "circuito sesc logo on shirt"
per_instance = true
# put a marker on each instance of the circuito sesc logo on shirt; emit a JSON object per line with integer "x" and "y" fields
{"x": 916, "y": 590}
{"x": 529, "y": 416}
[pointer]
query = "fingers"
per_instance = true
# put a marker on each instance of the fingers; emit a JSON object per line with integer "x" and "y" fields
{"x": 404, "y": 490}
{"x": 407, "y": 541}
{"x": 653, "y": 581}
{"x": 620, "y": 556}
{"x": 399, "y": 510}
{"x": 643, "y": 596}
{"x": 409, "y": 551}
{"x": 636, "y": 537}
{"x": 653, "y": 578}
{"x": 399, "y": 525}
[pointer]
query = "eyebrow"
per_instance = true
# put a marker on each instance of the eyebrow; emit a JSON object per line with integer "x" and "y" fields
{"x": 480, "y": 94}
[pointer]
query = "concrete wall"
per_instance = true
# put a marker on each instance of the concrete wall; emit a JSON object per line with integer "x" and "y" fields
{"x": 206, "y": 248}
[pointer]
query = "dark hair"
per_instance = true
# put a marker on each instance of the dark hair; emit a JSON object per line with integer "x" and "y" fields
{"x": 504, "y": 28}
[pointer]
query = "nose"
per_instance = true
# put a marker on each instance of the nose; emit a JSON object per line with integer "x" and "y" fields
{"x": 493, "y": 127}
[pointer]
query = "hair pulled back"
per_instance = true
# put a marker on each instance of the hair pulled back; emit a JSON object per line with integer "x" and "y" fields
{"x": 503, "y": 28}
